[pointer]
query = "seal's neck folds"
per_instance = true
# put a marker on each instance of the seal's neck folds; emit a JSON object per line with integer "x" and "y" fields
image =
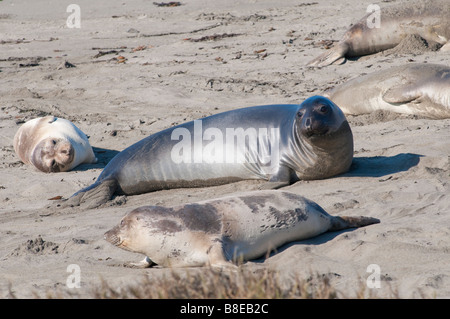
{"x": 320, "y": 156}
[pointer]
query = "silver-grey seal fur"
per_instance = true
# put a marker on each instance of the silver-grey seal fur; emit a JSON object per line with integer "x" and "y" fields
{"x": 416, "y": 88}
{"x": 428, "y": 19}
{"x": 225, "y": 231}
{"x": 52, "y": 144}
{"x": 312, "y": 140}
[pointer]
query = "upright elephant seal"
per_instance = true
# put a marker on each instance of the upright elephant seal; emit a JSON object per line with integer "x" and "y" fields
{"x": 52, "y": 144}
{"x": 216, "y": 232}
{"x": 428, "y": 19}
{"x": 417, "y": 88}
{"x": 278, "y": 143}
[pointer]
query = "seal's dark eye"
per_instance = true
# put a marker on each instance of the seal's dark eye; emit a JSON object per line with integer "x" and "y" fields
{"x": 54, "y": 164}
{"x": 54, "y": 142}
{"x": 324, "y": 109}
{"x": 300, "y": 113}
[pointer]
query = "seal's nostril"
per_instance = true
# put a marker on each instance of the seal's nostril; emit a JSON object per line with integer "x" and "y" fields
{"x": 308, "y": 122}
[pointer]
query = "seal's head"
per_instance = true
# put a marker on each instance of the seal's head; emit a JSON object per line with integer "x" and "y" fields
{"x": 122, "y": 235}
{"x": 320, "y": 117}
{"x": 322, "y": 127}
{"x": 137, "y": 230}
{"x": 53, "y": 155}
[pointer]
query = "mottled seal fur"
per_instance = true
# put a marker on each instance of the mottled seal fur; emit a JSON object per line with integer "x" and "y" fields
{"x": 52, "y": 144}
{"x": 223, "y": 231}
{"x": 416, "y": 88}
{"x": 428, "y": 19}
{"x": 312, "y": 140}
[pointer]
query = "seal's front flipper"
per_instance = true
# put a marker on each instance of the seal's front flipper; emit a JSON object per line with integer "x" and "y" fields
{"x": 445, "y": 47}
{"x": 224, "y": 266}
{"x": 93, "y": 196}
{"x": 273, "y": 185}
{"x": 335, "y": 55}
{"x": 217, "y": 260}
{"x": 51, "y": 118}
{"x": 401, "y": 94}
{"x": 145, "y": 263}
{"x": 284, "y": 177}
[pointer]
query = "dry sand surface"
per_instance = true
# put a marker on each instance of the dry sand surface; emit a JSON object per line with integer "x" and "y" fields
{"x": 183, "y": 63}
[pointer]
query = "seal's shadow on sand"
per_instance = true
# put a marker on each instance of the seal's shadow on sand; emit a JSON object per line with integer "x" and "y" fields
{"x": 103, "y": 157}
{"x": 378, "y": 166}
{"x": 317, "y": 240}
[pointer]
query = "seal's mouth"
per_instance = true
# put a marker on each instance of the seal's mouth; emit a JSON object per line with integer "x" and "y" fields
{"x": 343, "y": 129}
{"x": 315, "y": 133}
{"x": 111, "y": 237}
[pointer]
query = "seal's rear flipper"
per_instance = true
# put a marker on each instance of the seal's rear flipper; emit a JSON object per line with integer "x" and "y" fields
{"x": 93, "y": 196}
{"x": 344, "y": 222}
{"x": 335, "y": 55}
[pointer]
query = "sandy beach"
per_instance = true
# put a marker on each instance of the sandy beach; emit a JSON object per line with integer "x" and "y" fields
{"x": 133, "y": 68}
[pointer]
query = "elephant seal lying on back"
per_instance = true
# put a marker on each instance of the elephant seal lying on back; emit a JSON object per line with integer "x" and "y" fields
{"x": 278, "y": 143}
{"x": 52, "y": 144}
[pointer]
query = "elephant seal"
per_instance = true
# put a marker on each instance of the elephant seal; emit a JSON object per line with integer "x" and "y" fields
{"x": 278, "y": 143}
{"x": 52, "y": 144}
{"x": 219, "y": 232}
{"x": 419, "y": 88}
{"x": 428, "y": 19}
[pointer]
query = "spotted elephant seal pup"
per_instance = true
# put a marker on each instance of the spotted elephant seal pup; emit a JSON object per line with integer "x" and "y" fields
{"x": 52, "y": 144}
{"x": 216, "y": 232}
{"x": 416, "y": 88}
{"x": 429, "y": 19}
{"x": 278, "y": 143}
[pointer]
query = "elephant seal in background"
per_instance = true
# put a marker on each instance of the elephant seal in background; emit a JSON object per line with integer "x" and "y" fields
{"x": 278, "y": 143}
{"x": 428, "y": 19}
{"x": 417, "y": 88}
{"x": 216, "y": 232}
{"x": 52, "y": 144}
